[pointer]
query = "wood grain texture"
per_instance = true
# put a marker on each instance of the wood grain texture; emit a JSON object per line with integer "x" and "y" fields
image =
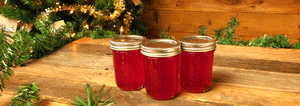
{"x": 241, "y": 76}
{"x": 251, "y": 26}
{"x": 257, "y": 17}
{"x": 242, "y": 6}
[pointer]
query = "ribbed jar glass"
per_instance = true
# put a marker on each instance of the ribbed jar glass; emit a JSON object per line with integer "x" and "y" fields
{"x": 128, "y": 61}
{"x": 161, "y": 59}
{"x": 196, "y": 63}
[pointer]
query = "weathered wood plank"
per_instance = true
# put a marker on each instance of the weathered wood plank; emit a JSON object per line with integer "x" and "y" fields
{"x": 179, "y": 35}
{"x": 226, "y": 74}
{"x": 258, "y": 6}
{"x": 237, "y": 75}
{"x": 257, "y": 78}
{"x": 100, "y": 56}
{"x": 65, "y": 91}
{"x": 251, "y": 24}
{"x": 244, "y": 96}
{"x": 259, "y": 53}
{"x": 5, "y": 99}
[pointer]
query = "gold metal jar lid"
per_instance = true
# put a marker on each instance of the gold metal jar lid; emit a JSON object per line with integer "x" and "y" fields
{"x": 160, "y": 48}
{"x": 126, "y": 42}
{"x": 198, "y": 43}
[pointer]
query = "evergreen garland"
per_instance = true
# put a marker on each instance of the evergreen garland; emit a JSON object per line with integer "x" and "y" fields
{"x": 28, "y": 46}
{"x": 99, "y": 33}
{"x": 226, "y": 36}
{"x": 297, "y": 45}
{"x": 35, "y": 37}
{"x": 108, "y": 14}
{"x": 277, "y": 41}
{"x": 25, "y": 10}
{"x": 6, "y": 57}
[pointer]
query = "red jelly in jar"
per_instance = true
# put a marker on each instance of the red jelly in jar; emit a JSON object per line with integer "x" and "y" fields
{"x": 128, "y": 61}
{"x": 161, "y": 59}
{"x": 196, "y": 63}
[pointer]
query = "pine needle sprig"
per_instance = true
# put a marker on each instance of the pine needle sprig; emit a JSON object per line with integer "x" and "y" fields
{"x": 202, "y": 30}
{"x": 21, "y": 47}
{"x": 26, "y": 95}
{"x": 226, "y": 35}
{"x": 6, "y": 56}
{"x": 49, "y": 39}
{"x": 96, "y": 101}
{"x": 297, "y": 44}
{"x": 277, "y": 41}
{"x": 165, "y": 35}
{"x": 105, "y": 5}
{"x": 99, "y": 33}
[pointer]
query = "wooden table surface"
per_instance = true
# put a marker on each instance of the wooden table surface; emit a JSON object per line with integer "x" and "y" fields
{"x": 241, "y": 76}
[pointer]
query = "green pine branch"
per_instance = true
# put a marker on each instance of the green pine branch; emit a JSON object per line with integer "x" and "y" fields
{"x": 165, "y": 35}
{"x": 25, "y": 10}
{"x": 277, "y": 41}
{"x": 202, "y": 30}
{"x": 105, "y": 5}
{"x": 17, "y": 14}
{"x": 18, "y": 9}
{"x": 26, "y": 95}
{"x": 297, "y": 44}
{"x": 21, "y": 47}
{"x": 226, "y": 36}
{"x": 96, "y": 101}
{"x": 6, "y": 57}
{"x": 99, "y": 33}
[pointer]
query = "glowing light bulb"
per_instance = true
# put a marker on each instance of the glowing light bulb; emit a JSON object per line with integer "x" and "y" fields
{"x": 86, "y": 26}
{"x": 121, "y": 30}
{"x": 73, "y": 35}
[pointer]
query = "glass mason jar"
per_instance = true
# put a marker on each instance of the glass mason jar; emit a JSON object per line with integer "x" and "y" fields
{"x": 161, "y": 59}
{"x": 196, "y": 63}
{"x": 128, "y": 61}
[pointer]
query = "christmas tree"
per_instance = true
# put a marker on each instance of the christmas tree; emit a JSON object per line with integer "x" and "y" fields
{"x": 37, "y": 35}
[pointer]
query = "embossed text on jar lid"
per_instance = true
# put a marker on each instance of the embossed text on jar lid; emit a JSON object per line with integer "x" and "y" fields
{"x": 126, "y": 42}
{"x": 198, "y": 43}
{"x": 160, "y": 48}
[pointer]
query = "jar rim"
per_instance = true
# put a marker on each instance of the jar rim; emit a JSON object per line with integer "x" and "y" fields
{"x": 160, "y": 48}
{"x": 126, "y": 42}
{"x": 198, "y": 43}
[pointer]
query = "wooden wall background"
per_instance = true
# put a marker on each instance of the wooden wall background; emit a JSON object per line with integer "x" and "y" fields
{"x": 257, "y": 17}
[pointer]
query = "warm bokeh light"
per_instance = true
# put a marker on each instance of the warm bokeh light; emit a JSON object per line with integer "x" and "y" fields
{"x": 71, "y": 12}
{"x": 86, "y": 26}
{"x": 73, "y": 35}
{"x": 121, "y": 29}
